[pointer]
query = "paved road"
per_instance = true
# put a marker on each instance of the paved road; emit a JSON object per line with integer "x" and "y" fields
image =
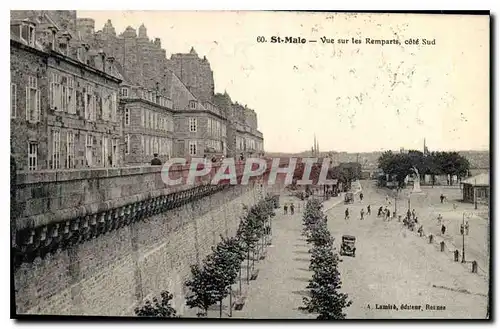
{"x": 392, "y": 266}
{"x": 395, "y": 266}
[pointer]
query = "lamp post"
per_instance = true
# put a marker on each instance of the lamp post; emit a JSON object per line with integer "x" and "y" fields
{"x": 463, "y": 237}
{"x": 475, "y": 195}
{"x": 464, "y": 214}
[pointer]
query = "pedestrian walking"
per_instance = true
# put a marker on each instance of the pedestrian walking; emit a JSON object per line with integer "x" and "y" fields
{"x": 408, "y": 214}
{"x": 346, "y": 214}
{"x": 388, "y": 214}
{"x": 379, "y": 213}
{"x": 442, "y": 197}
{"x": 285, "y": 208}
{"x": 461, "y": 229}
{"x": 467, "y": 228}
{"x": 443, "y": 229}
{"x": 361, "y": 196}
{"x": 362, "y": 213}
{"x": 292, "y": 209}
{"x": 413, "y": 213}
{"x": 368, "y": 210}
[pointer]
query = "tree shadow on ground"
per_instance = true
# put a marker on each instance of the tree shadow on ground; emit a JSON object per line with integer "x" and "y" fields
{"x": 304, "y": 293}
{"x": 304, "y": 269}
{"x": 301, "y": 259}
{"x": 301, "y": 252}
{"x": 301, "y": 279}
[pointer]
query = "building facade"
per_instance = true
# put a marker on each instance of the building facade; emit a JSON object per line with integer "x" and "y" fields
{"x": 82, "y": 98}
{"x": 64, "y": 98}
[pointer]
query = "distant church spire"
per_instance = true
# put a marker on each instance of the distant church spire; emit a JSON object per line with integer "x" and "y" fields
{"x": 426, "y": 150}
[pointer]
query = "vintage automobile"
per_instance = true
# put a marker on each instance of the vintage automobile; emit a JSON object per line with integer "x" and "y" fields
{"x": 348, "y": 247}
{"x": 349, "y": 198}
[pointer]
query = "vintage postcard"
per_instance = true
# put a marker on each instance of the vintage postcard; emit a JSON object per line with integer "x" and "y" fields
{"x": 250, "y": 165}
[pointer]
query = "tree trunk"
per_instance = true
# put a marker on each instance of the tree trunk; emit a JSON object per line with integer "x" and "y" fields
{"x": 253, "y": 259}
{"x": 240, "y": 278}
{"x": 248, "y": 265}
{"x": 230, "y": 301}
{"x": 220, "y": 308}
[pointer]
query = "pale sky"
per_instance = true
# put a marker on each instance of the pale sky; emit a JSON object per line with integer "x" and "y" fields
{"x": 354, "y": 97}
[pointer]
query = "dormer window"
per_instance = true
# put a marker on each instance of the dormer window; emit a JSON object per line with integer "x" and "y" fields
{"x": 27, "y": 33}
{"x": 64, "y": 43}
{"x": 63, "y": 47}
{"x": 192, "y": 104}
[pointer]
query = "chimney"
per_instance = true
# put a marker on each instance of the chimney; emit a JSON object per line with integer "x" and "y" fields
{"x": 110, "y": 60}
{"x": 102, "y": 55}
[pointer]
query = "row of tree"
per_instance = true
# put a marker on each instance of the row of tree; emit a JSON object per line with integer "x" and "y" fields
{"x": 399, "y": 165}
{"x": 212, "y": 280}
{"x": 325, "y": 298}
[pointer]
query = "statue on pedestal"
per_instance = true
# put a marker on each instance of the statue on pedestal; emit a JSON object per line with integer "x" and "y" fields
{"x": 416, "y": 181}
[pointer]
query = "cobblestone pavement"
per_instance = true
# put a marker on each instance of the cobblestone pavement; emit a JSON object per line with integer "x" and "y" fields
{"x": 395, "y": 266}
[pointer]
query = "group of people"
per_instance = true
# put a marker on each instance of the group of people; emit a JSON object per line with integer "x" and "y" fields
{"x": 292, "y": 208}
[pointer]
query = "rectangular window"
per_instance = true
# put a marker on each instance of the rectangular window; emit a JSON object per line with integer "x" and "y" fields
{"x": 114, "y": 104}
{"x": 192, "y": 105}
{"x": 88, "y": 150}
{"x": 71, "y": 96}
{"x": 105, "y": 151}
{"x": 124, "y": 92}
{"x": 147, "y": 149}
{"x": 89, "y": 105}
{"x": 151, "y": 119}
{"x": 56, "y": 149}
{"x": 192, "y": 125}
{"x": 143, "y": 150}
{"x": 32, "y": 101}
{"x": 209, "y": 126}
{"x": 142, "y": 117}
{"x": 114, "y": 152}
{"x": 127, "y": 116}
{"x": 64, "y": 94}
{"x": 105, "y": 107}
{"x": 13, "y": 100}
{"x": 32, "y": 156}
{"x": 70, "y": 150}
{"x": 192, "y": 148}
{"x": 146, "y": 121}
{"x": 55, "y": 91}
{"x": 127, "y": 144}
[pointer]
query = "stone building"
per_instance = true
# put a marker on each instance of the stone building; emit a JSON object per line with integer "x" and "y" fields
{"x": 200, "y": 127}
{"x": 145, "y": 92}
{"x": 64, "y": 96}
{"x": 104, "y": 99}
{"x": 195, "y": 73}
{"x": 244, "y": 139}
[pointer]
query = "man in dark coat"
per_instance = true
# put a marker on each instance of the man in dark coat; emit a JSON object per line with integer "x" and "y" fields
{"x": 156, "y": 161}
